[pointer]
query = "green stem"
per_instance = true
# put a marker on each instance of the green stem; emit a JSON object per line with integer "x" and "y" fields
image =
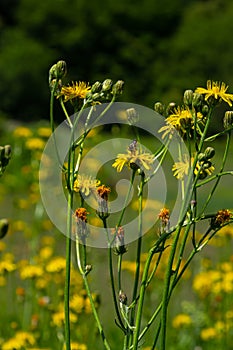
{"x": 101, "y": 331}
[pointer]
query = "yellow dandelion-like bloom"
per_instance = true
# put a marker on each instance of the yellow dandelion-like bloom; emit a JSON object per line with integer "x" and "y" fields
{"x": 181, "y": 320}
{"x": 58, "y": 318}
{"x": 217, "y": 90}
{"x": 57, "y": 264}
{"x": 22, "y": 132}
{"x": 7, "y": 266}
{"x": 85, "y": 184}
{"x": 168, "y": 130}
{"x": 44, "y": 132}
{"x": 19, "y": 341}
{"x": 31, "y": 271}
{"x": 208, "y": 333}
{"x": 76, "y": 90}
{"x": 133, "y": 160}
{"x": 35, "y": 143}
{"x": 180, "y": 118}
{"x": 45, "y": 253}
{"x": 77, "y": 303}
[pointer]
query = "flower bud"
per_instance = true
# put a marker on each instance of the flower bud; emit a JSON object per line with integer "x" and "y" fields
{"x": 228, "y": 119}
{"x": 118, "y": 87}
{"x": 122, "y": 298}
{"x": 197, "y": 100}
{"x": 188, "y": 97}
{"x": 201, "y": 157}
{"x": 120, "y": 248}
{"x": 132, "y": 116}
{"x": 7, "y": 151}
{"x": 57, "y": 71}
{"x": 205, "y": 110}
{"x": 96, "y": 87}
{"x": 107, "y": 85}
{"x": 171, "y": 108}
{"x": 209, "y": 152}
{"x": 159, "y": 108}
{"x": 88, "y": 269}
{"x": 4, "y": 225}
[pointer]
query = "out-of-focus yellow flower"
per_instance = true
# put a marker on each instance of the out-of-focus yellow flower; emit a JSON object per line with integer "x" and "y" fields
{"x": 31, "y": 271}
{"x": 7, "y": 266}
{"x": 57, "y": 264}
{"x": 85, "y": 184}
{"x": 2, "y": 281}
{"x": 208, "y": 333}
{"x": 77, "y": 303}
{"x": 21, "y": 340}
{"x": 45, "y": 253}
{"x": 77, "y": 90}
{"x": 58, "y": 318}
{"x": 76, "y": 346}
{"x": 44, "y": 132}
{"x": 35, "y": 143}
{"x": 181, "y": 320}
{"x": 226, "y": 231}
{"x": 217, "y": 90}
{"x": 47, "y": 240}
{"x": 22, "y": 131}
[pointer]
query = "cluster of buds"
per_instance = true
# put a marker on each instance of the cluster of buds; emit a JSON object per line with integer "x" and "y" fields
{"x": 5, "y": 156}
{"x": 204, "y": 165}
{"x": 81, "y": 220}
{"x": 56, "y": 73}
{"x": 103, "y": 92}
{"x": 102, "y": 199}
{"x": 120, "y": 248}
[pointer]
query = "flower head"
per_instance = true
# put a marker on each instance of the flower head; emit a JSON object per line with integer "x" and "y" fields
{"x": 202, "y": 169}
{"x": 102, "y": 199}
{"x": 78, "y": 90}
{"x": 223, "y": 216}
{"x": 217, "y": 90}
{"x": 85, "y": 184}
{"x": 134, "y": 159}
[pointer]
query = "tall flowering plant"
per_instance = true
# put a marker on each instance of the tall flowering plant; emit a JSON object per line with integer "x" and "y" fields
{"x": 193, "y": 170}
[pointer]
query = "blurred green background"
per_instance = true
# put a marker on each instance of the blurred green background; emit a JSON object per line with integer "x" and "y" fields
{"x": 159, "y": 47}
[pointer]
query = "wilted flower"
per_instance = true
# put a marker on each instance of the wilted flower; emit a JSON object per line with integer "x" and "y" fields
{"x": 81, "y": 219}
{"x": 102, "y": 199}
{"x": 223, "y": 216}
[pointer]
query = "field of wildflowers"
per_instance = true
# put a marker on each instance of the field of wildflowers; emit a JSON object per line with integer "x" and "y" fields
{"x": 33, "y": 252}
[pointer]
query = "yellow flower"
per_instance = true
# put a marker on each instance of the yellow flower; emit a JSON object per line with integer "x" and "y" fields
{"x": 181, "y": 168}
{"x": 181, "y": 320}
{"x": 77, "y": 303}
{"x": 45, "y": 253}
{"x": 35, "y": 143}
{"x": 6, "y": 266}
{"x": 19, "y": 341}
{"x": 134, "y": 160}
{"x": 31, "y": 271}
{"x": 76, "y": 346}
{"x": 57, "y": 264}
{"x": 208, "y": 333}
{"x": 77, "y": 90}
{"x": 44, "y": 132}
{"x": 85, "y": 184}
{"x": 58, "y": 318}
{"x": 217, "y": 90}
{"x": 22, "y": 131}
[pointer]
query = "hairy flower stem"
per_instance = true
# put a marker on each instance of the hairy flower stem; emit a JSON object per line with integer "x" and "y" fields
{"x": 89, "y": 295}
{"x": 138, "y": 258}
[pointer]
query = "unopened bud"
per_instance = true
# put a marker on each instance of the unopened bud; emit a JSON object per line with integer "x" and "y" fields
{"x": 209, "y": 152}
{"x": 7, "y": 151}
{"x": 88, "y": 269}
{"x": 197, "y": 100}
{"x": 171, "y": 108}
{"x": 107, "y": 85}
{"x": 96, "y": 87}
{"x": 122, "y": 298}
{"x": 4, "y": 225}
{"x": 228, "y": 119}
{"x": 188, "y": 97}
{"x": 132, "y": 116}
{"x": 57, "y": 71}
{"x": 159, "y": 108}
{"x": 118, "y": 87}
